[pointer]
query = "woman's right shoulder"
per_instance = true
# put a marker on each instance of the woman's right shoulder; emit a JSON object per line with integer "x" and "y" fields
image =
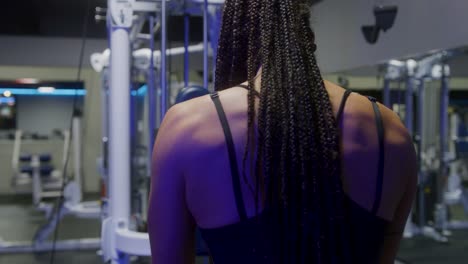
{"x": 361, "y": 119}
{"x": 361, "y": 148}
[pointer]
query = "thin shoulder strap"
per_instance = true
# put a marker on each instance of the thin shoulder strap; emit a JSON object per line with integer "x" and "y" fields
{"x": 343, "y": 104}
{"x": 232, "y": 157}
{"x": 380, "y": 171}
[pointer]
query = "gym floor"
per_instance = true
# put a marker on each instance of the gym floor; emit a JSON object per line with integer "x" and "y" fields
{"x": 18, "y": 222}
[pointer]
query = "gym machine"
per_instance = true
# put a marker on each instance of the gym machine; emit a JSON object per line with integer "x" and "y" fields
{"x": 35, "y": 174}
{"x": 125, "y": 20}
{"x": 431, "y": 115}
{"x": 71, "y": 205}
{"x": 456, "y": 193}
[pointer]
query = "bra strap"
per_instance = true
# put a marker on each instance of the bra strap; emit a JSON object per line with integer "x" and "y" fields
{"x": 232, "y": 157}
{"x": 380, "y": 171}
{"x": 343, "y": 104}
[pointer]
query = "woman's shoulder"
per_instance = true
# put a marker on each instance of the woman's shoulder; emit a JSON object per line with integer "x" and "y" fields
{"x": 361, "y": 147}
{"x": 197, "y": 121}
{"x": 359, "y": 116}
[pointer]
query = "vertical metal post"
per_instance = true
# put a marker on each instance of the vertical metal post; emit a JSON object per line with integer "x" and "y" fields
{"x": 120, "y": 15}
{"x": 119, "y": 122}
{"x": 409, "y": 127}
{"x": 453, "y": 177}
{"x": 443, "y": 133}
{"x": 151, "y": 96}
{"x": 76, "y": 137}
{"x": 420, "y": 133}
{"x": 120, "y": 21}
{"x": 134, "y": 142}
{"x": 105, "y": 144}
{"x": 164, "y": 91}
{"x": 105, "y": 120}
{"x": 409, "y": 111}
{"x": 205, "y": 44}
{"x": 386, "y": 93}
{"x": 36, "y": 186}
{"x": 186, "y": 50}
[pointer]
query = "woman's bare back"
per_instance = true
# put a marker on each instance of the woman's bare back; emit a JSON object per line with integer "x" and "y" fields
{"x": 206, "y": 169}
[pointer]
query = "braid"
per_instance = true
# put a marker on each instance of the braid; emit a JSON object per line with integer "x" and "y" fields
{"x": 252, "y": 67}
{"x": 224, "y": 55}
{"x": 294, "y": 153}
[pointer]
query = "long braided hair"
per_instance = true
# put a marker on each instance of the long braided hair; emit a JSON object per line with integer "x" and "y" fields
{"x": 294, "y": 149}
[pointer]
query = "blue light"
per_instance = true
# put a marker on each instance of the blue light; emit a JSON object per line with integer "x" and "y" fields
{"x": 56, "y": 92}
{"x": 7, "y": 100}
{"x": 63, "y": 92}
{"x": 140, "y": 92}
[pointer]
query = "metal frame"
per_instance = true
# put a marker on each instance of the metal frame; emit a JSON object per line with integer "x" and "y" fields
{"x": 424, "y": 73}
{"x": 39, "y": 189}
{"x": 72, "y": 205}
{"x": 432, "y": 67}
{"x": 118, "y": 241}
{"x": 151, "y": 95}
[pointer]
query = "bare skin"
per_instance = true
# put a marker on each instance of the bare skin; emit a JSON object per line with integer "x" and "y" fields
{"x": 191, "y": 183}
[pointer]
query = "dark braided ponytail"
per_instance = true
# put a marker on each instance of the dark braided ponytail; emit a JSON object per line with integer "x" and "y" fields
{"x": 297, "y": 165}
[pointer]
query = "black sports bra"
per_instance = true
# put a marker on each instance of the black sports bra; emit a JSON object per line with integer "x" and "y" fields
{"x": 252, "y": 240}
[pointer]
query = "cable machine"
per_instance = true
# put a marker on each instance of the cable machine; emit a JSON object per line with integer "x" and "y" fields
{"x": 125, "y": 20}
